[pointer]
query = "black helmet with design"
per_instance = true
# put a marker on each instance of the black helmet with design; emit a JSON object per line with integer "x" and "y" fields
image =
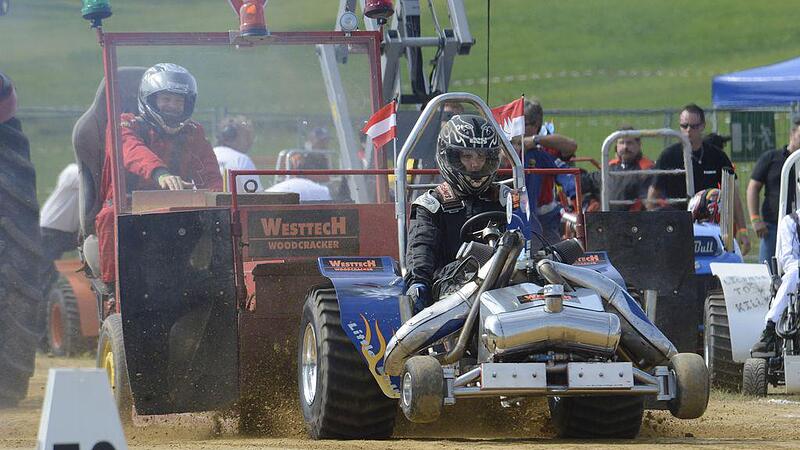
{"x": 468, "y": 153}
{"x": 171, "y": 78}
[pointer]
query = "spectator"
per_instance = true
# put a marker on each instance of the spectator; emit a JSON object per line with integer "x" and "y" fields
{"x": 542, "y": 189}
{"x": 161, "y": 148}
{"x": 633, "y": 187}
{"x": 450, "y": 109}
{"x": 235, "y": 137}
{"x": 538, "y": 135}
{"x": 308, "y": 186}
{"x": 318, "y": 139}
{"x": 767, "y": 174}
{"x": 59, "y": 219}
{"x": 708, "y": 160}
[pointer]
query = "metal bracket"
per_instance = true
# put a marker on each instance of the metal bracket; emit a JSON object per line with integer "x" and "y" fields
{"x": 449, "y": 381}
{"x": 666, "y": 383}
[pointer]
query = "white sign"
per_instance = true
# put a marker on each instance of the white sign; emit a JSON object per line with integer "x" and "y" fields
{"x": 79, "y": 412}
{"x": 747, "y": 296}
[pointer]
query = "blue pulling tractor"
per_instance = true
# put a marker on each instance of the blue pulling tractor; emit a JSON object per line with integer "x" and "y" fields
{"x": 555, "y": 323}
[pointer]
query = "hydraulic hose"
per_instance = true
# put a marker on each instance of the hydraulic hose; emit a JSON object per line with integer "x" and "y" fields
{"x": 508, "y": 243}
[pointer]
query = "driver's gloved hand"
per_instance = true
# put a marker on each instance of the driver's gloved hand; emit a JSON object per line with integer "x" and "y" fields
{"x": 420, "y": 296}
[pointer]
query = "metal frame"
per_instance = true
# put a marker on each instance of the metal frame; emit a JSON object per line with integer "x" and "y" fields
{"x": 110, "y": 41}
{"x": 425, "y": 118}
{"x": 661, "y": 384}
{"x": 606, "y": 174}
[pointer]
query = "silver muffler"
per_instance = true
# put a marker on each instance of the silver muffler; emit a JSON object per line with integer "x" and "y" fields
{"x": 640, "y": 337}
{"x": 568, "y": 329}
{"x": 429, "y": 325}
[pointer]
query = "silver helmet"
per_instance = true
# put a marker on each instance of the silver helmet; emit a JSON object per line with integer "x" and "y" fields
{"x": 172, "y": 78}
{"x": 468, "y": 153}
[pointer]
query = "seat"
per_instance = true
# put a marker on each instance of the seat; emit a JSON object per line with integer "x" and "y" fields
{"x": 89, "y": 144}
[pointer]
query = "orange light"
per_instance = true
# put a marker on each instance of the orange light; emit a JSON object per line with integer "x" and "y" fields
{"x": 251, "y": 19}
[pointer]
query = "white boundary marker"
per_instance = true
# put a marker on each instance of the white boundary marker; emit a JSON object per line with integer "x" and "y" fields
{"x": 79, "y": 413}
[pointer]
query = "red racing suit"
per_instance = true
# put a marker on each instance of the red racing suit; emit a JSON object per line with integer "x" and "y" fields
{"x": 186, "y": 154}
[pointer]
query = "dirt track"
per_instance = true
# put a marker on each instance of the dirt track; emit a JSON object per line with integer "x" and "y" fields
{"x": 731, "y": 420}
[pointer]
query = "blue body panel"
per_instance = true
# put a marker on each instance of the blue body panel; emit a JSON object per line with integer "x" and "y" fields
{"x": 599, "y": 262}
{"x": 708, "y": 248}
{"x": 368, "y": 289}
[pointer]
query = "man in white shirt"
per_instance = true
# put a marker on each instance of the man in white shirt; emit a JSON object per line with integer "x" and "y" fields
{"x": 309, "y": 190}
{"x": 59, "y": 216}
{"x": 235, "y": 136}
{"x": 788, "y": 253}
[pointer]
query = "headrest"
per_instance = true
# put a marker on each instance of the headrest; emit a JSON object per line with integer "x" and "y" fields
{"x": 88, "y": 140}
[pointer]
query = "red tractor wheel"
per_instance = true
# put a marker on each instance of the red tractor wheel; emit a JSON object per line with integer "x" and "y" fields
{"x": 63, "y": 321}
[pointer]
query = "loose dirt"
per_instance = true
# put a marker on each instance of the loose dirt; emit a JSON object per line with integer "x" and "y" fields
{"x": 733, "y": 421}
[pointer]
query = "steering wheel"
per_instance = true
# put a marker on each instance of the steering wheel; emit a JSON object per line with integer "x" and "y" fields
{"x": 465, "y": 233}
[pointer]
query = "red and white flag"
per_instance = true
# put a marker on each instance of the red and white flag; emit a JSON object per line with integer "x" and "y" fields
{"x": 382, "y": 126}
{"x": 511, "y": 117}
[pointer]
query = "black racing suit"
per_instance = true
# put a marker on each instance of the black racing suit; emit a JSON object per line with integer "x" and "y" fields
{"x": 434, "y": 233}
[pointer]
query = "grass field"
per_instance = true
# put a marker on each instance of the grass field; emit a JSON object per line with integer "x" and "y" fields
{"x": 571, "y": 54}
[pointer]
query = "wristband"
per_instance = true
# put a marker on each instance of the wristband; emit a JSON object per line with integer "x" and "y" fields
{"x": 741, "y": 230}
{"x": 756, "y": 218}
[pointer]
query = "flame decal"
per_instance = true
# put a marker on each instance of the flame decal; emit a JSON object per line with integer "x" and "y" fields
{"x": 373, "y": 358}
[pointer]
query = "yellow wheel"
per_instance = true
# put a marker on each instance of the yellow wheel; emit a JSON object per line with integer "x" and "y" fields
{"x": 111, "y": 358}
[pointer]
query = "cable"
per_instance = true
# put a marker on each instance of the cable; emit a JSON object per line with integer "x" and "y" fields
{"x": 488, "y": 45}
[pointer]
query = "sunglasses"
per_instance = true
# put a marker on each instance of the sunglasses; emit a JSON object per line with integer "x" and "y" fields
{"x": 693, "y": 126}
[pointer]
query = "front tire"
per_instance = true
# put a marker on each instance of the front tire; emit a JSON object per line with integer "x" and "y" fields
{"x": 607, "y": 417}
{"x": 754, "y": 377}
{"x": 339, "y": 396}
{"x": 724, "y": 372}
{"x": 693, "y": 386}
{"x": 111, "y": 358}
{"x": 422, "y": 394}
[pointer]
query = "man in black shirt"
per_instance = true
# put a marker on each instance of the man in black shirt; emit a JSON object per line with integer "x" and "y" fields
{"x": 767, "y": 174}
{"x": 708, "y": 160}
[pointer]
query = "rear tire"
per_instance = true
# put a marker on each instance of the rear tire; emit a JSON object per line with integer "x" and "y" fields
{"x": 339, "y": 396}
{"x": 724, "y": 372}
{"x": 111, "y": 358}
{"x": 754, "y": 377}
{"x": 693, "y": 386}
{"x": 422, "y": 394}
{"x": 63, "y": 321}
{"x": 21, "y": 263}
{"x": 608, "y": 417}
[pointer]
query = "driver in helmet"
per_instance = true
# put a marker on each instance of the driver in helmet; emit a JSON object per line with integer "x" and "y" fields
{"x": 468, "y": 156}
{"x": 162, "y": 148}
{"x": 705, "y": 206}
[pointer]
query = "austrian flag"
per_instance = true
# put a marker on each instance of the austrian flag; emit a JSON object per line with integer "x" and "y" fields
{"x": 382, "y": 126}
{"x": 511, "y": 118}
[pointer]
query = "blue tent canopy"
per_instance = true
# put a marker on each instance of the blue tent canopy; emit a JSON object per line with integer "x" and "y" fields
{"x": 772, "y": 85}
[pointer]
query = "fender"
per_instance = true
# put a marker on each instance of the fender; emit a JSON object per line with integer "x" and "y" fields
{"x": 368, "y": 291}
{"x": 600, "y": 263}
